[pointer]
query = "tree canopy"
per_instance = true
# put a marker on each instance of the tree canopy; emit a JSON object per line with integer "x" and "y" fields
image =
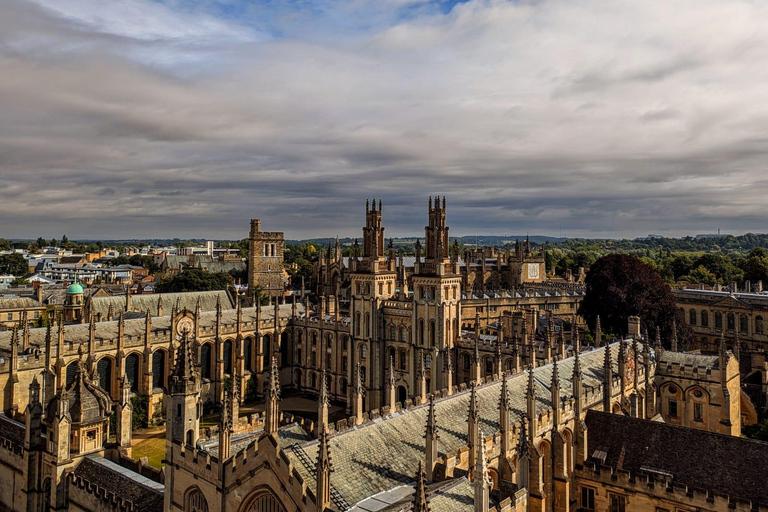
{"x": 619, "y": 286}
{"x": 13, "y": 264}
{"x": 194, "y": 280}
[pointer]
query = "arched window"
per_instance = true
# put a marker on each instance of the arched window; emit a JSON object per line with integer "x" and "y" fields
{"x": 402, "y": 360}
{"x": 743, "y": 323}
{"x": 704, "y": 319}
{"x": 362, "y": 373}
{"x": 266, "y": 343}
{"x": 71, "y": 370}
{"x": 358, "y": 322}
{"x": 313, "y": 379}
{"x": 392, "y": 332}
{"x": 428, "y": 361}
{"x": 104, "y": 367}
{"x": 731, "y": 322}
{"x": 299, "y": 361}
{"x": 718, "y": 320}
{"x": 368, "y": 324}
{"x": 363, "y": 351}
{"x": 205, "y": 361}
{"x": 488, "y": 365}
{"x": 314, "y": 339}
{"x": 432, "y": 333}
{"x": 248, "y": 354}
{"x": 194, "y": 501}
{"x": 299, "y": 336}
{"x": 158, "y": 369}
{"x": 403, "y": 335}
{"x": 758, "y": 325}
{"x": 692, "y": 317}
{"x": 465, "y": 359}
{"x": 132, "y": 371}
{"x": 343, "y": 343}
{"x": 421, "y": 331}
{"x": 228, "y": 357}
{"x": 343, "y": 363}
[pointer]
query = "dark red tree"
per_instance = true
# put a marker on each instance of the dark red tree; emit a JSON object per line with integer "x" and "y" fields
{"x": 620, "y": 286}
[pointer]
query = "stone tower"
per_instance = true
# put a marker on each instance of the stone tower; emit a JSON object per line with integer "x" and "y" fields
{"x": 436, "y": 294}
{"x": 265, "y": 260}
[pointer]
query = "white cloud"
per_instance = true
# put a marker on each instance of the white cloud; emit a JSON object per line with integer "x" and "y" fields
{"x": 618, "y": 118}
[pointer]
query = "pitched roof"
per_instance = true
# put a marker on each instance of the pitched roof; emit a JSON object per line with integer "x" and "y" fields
{"x": 145, "y": 494}
{"x": 149, "y": 302}
{"x": 385, "y": 454}
{"x": 19, "y": 303}
{"x": 719, "y": 463}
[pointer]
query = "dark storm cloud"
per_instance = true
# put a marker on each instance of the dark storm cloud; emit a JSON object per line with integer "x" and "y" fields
{"x": 137, "y": 119}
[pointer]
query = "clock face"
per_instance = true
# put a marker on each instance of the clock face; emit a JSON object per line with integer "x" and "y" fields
{"x": 184, "y": 324}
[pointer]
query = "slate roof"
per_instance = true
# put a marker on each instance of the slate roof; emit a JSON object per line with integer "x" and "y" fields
{"x": 149, "y": 302}
{"x": 286, "y": 436}
{"x": 455, "y": 495}
{"x": 683, "y": 359}
{"x": 385, "y": 454}
{"x": 145, "y": 494}
{"x": 134, "y": 328}
{"x": 19, "y": 303}
{"x": 720, "y": 463}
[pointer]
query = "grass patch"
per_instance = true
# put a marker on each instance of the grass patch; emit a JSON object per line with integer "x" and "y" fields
{"x": 153, "y": 449}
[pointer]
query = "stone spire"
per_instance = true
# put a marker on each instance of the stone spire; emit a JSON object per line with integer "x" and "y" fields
{"x": 323, "y": 476}
{"x": 504, "y": 423}
{"x": 225, "y": 428}
{"x": 272, "y": 411}
{"x": 322, "y": 403}
{"x": 575, "y": 334}
{"x": 499, "y": 361}
{"x": 420, "y": 501}
{"x": 482, "y": 481}
{"x": 673, "y": 341}
{"x": 657, "y": 347}
{"x": 473, "y": 424}
{"x": 421, "y": 376}
{"x": 577, "y": 389}
{"x": 432, "y": 437}
{"x": 448, "y": 372}
{"x": 477, "y": 377}
{"x": 736, "y": 345}
{"x": 530, "y": 398}
{"x": 523, "y": 457}
{"x": 183, "y": 375}
{"x": 555, "y": 395}
{"x": 357, "y": 396}
{"x": 607, "y": 378}
{"x": 391, "y": 398}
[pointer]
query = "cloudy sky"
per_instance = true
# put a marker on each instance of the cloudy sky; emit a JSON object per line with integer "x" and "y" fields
{"x": 164, "y": 118}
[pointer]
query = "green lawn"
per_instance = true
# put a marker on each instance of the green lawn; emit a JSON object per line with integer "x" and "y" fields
{"x": 152, "y": 448}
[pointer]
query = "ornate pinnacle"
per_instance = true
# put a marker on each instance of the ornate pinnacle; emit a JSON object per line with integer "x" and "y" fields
{"x": 357, "y": 386}
{"x": 273, "y": 392}
{"x": 324, "y": 388}
{"x": 598, "y": 332}
{"x": 504, "y": 396}
{"x": 431, "y": 420}
{"x": 420, "y": 501}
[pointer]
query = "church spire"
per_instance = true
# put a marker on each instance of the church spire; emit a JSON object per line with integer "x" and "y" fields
{"x": 420, "y": 501}
{"x": 432, "y": 438}
{"x": 323, "y": 476}
{"x": 482, "y": 480}
{"x": 272, "y": 412}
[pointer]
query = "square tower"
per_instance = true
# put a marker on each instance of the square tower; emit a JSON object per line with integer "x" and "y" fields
{"x": 265, "y": 260}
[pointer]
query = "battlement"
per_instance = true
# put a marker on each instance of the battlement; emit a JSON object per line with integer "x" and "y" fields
{"x": 663, "y": 487}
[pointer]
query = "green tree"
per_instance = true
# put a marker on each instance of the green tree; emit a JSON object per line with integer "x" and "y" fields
{"x": 756, "y": 266}
{"x": 13, "y": 264}
{"x": 194, "y": 280}
{"x": 702, "y": 275}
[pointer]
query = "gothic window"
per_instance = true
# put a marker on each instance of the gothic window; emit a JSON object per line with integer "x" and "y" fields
{"x": 392, "y": 332}
{"x": 313, "y": 379}
{"x": 158, "y": 369}
{"x": 314, "y": 339}
{"x": 343, "y": 363}
{"x": 228, "y": 357}
{"x": 718, "y": 320}
{"x": 132, "y": 371}
{"x": 362, "y": 373}
{"x": 465, "y": 359}
{"x": 71, "y": 370}
{"x": 428, "y": 361}
{"x": 266, "y": 341}
{"x": 104, "y": 367}
{"x": 697, "y": 412}
{"x": 363, "y": 351}
{"x": 313, "y": 360}
{"x": 205, "y": 361}
{"x": 758, "y": 325}
{"x": 248, "y": 353}
{"x": 402, "y": 360}
{"x": 299, "y": 336}
{"x": 298, "y": 356}
{"x": 195, "y": 501}
{"x": 367, "y": 324}
{"x": 358, "y": 321}
{"x": 343, "y": 343}
{"x": 692, "y": 317}
{"x": 421, "y": 331}
{"x": 743, "y": 323}
{"x": 488, "y": 366}
{"x": 403, "y": 335}
{"x": 618, "y": 503}
{"x": 672, "y": 408}
{"x": 432, "y": 330}
{"x": 704, "y": 319}
{"x": 731, "y": 322}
